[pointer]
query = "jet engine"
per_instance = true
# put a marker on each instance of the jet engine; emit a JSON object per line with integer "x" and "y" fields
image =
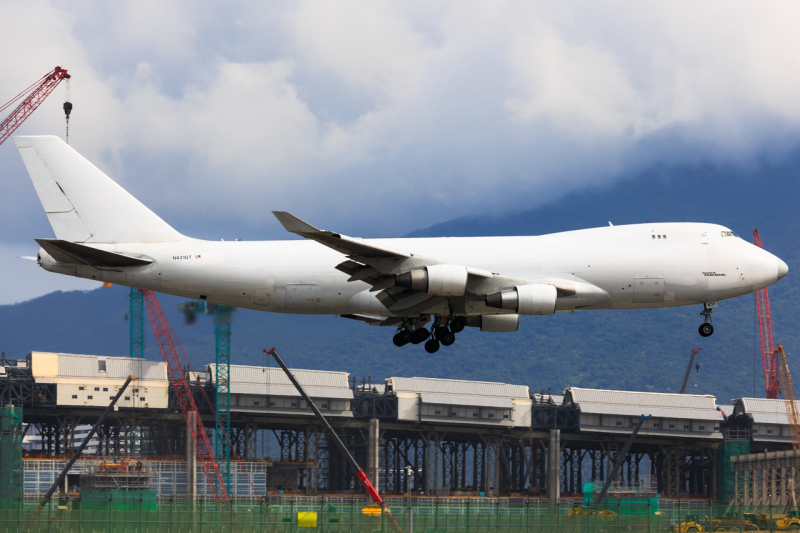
{"x": 495, "y": 323}
{"x": 534, "y": 299}
{"x": 439, "y": 280}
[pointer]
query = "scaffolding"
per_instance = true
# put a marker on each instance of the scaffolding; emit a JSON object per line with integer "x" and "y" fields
{"x": 169, "y": 478}
{"x": 764, "y": 479}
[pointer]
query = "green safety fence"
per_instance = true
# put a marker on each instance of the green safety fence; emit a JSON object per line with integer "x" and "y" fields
{"x": 10, "y": 452}
{"x": 472, "y": 516}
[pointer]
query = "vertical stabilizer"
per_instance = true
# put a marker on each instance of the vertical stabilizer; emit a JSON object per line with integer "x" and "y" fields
{"x": 82, "y": 203}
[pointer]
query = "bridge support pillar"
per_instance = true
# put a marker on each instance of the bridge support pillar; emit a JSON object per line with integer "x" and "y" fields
{"x": 191, "y": 464}
{"x": 553, "y": 464}
{"x": 373, "y": 455}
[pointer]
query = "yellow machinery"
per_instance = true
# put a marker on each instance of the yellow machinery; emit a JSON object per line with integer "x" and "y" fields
{"x": 780, "y": 522}
{"x": 729, "y": 522}
{"x": 692, "y": 524}
{"x": 603, "y": 514}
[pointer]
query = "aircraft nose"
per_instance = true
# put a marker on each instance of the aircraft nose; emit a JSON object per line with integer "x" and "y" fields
{"x": 783, "y": 268}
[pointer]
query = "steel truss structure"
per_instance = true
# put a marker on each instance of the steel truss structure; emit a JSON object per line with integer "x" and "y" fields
{"x": 764, "y": 479}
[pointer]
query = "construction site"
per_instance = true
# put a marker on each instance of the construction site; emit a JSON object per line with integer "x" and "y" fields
{"x": 93, "y": 443}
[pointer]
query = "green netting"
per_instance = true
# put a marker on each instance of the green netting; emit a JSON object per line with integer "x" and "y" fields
{"x": 625, "y": 506}
{"x": 10, "y": 452}
{"x": 119, "y": 500}
{"x": 475, "y": 516}
{"x": 727, "y": 477}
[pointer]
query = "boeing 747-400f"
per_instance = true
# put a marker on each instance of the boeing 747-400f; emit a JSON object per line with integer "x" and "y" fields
{"x": 105, "y": 234}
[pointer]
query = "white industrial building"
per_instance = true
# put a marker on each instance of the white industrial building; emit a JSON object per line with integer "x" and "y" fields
{"x": 261, "y": 389}
{"x": 770, "y": 421}
{"x": 610, "y": 411}
{"x": 93, "y": 381}
{"x": 451, "y": 401}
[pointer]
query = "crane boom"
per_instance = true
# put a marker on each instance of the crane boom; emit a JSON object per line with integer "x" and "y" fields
{"x": 689, "y": 369}
{"x": 205, "y": 452}
{"x": 768, "y": 354}
{"x": 32, "y": 97}
{"x": 788, "y": 394}
{"x": 360, "y": 474}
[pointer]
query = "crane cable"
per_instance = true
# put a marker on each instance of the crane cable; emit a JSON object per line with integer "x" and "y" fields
{"x": 67, "y": 106}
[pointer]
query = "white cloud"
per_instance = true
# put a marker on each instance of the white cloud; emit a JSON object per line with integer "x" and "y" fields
{"x": 376, "y": 118}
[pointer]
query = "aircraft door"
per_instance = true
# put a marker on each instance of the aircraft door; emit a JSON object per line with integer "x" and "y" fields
{"x": 648, "y": 290}
{"x": 265, "y": 296}
{"x": 301, "y": 296}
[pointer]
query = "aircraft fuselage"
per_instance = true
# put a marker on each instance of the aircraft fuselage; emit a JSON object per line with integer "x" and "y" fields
{"x": 628, "y": 267}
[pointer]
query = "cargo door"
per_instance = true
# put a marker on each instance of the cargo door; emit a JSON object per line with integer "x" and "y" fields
{"x": 301, "y": 296}
{"x": 648, "y": 290}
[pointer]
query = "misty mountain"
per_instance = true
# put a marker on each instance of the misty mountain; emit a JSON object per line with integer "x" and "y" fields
{"x": 643, "y": 350}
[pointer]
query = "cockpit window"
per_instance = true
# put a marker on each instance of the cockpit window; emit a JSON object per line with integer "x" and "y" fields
{"x": 728, "y": 234}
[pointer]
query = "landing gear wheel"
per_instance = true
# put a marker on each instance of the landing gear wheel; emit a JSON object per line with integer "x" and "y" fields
{"x": 419, "y": 335}
{"x": 432, "y": 346}
{"x": 402, "y": 337}
{"x": 457, "y": 324}
{"x": 439, "y": 331}
{"x": 706, "y": 330}
{"x": 446, "y": 337}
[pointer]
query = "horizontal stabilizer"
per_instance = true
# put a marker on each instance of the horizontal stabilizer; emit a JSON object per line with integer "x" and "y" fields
{"x": 70, "y": 252}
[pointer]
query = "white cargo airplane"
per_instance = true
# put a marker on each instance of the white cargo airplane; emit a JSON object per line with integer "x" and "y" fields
{"x": 104, "y": 233}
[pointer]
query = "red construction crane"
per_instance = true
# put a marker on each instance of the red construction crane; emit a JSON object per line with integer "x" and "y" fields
{"x": 32, "y": 97}
{"x": 177, "y": 379}
{"x": 769, "y": 356}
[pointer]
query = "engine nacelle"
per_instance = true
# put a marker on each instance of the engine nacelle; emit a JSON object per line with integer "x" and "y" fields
{"x": 534, "y": 299}
{"x": 507, "y": 323}
{"x": 439, "y": 280}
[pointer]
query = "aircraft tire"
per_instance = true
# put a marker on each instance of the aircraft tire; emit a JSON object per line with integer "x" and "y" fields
{"x": 402, "y": 337}
{"x": 706, "y": 330}
{"x": 457, "y": 324}
{"x": 420, "y": 335}
{"x": 446, "y": 337}
{"x": 432, "y": 346}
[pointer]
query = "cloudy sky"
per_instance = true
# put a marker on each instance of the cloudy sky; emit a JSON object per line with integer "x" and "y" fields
{"x": 378, "y": 118}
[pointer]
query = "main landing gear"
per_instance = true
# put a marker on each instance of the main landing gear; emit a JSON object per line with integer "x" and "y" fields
{"x": 706, "y": 329}
{"x": 439, "y": 335}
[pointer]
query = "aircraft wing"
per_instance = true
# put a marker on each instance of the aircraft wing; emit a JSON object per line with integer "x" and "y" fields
{"x": 340, "y": 243}
{"x": 381, "y": 267}
{"x": 376, "y": 266}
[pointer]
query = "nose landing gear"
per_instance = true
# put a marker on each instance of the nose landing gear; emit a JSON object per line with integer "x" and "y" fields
{"x": 706, "y": 329}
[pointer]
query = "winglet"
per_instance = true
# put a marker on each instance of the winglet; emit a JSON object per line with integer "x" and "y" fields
{"x": 294, "y": 224}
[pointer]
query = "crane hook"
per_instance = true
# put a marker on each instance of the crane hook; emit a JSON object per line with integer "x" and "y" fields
{"x": 67, "y": 108}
